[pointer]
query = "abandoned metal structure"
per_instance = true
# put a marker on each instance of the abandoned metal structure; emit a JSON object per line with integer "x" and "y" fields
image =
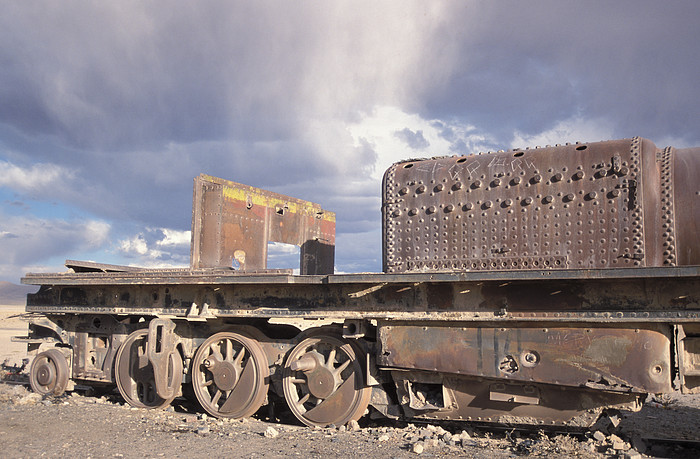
{"x": 537, "y": 286}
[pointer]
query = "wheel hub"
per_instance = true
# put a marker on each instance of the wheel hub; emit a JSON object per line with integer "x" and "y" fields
{"x": 225, "y": 375}
{"x": 321, "y": 383}
{"x": 46, "y": 374}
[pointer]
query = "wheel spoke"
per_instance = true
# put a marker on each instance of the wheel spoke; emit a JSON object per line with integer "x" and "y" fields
{"x": 236, "y": 382}
{"x": 239, "y": 358}
{"x": 342, "y": 367}
{"x": 324, "y": 397}
{"x": 216, "y": 397}
{"x": 229, "y": 350}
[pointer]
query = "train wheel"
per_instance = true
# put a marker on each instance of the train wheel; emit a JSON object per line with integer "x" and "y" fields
{"x": 323, "y": 382}
{"x": 134, "y": 373}
{"x": 230, "y": 375}
{"x": 48, "y": 373}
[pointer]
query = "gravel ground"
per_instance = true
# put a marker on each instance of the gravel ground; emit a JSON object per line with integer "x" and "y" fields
{"x": 81, "y": 425}
{"x": 78, "y": 424}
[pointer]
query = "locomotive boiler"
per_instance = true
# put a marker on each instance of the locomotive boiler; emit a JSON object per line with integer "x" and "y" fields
{"x": 526, "y": 287}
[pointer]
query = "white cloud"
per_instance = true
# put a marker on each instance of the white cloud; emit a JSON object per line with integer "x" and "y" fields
{"x": 37, "y": 178}
{"x": 576, "y": 129}
{"x": 173, "y": 237}
{"x": 156, "y": 248}
{"x": 441, "y": 138}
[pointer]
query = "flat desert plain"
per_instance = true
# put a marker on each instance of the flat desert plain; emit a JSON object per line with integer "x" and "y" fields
{"x": 11, "y": 324}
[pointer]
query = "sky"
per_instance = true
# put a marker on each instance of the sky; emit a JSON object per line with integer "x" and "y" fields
{"x": 108, "y": 110}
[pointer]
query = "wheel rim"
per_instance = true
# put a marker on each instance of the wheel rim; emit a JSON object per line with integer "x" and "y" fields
{"x": 135, "y": 377}
{"x": 230, "y": 375}
{"x": 48, "y": 373}
{"x": 323, "y": 382}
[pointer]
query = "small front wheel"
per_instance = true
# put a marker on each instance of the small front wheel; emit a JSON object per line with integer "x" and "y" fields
{"x": 48, "y": 373}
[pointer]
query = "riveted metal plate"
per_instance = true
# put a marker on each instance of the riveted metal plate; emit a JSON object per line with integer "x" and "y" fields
{"x": 571, "y": 206}
{"x": 635, "y": 359}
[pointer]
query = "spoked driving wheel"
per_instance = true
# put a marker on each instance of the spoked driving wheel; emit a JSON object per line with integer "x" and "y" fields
{"x": 48, "y": 373}
{"x": 230, "y": 375}
{"x": 135, "y": 375}
{"x": 323, "y": 382}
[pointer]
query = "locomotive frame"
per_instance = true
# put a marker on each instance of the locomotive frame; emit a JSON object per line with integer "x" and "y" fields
{"x": 432, "y": 337}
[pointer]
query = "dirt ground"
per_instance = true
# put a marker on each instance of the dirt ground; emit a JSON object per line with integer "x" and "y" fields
{"x": 87, "y": 425}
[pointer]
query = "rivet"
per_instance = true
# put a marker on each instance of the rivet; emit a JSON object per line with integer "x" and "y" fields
{"x": 516, "y": 180}
{"x": 439, "y": 187}
{"x": 527, "y": 201}
{"x": 537, "y": 178}
{"x": 496, "y": 182}
{"x": 431, "y": 210}
{"x": 548, "y": 199}
{"x": 403, "y": 191}
{"x": 615, "y": 193}
{"x": 449, "y": 208}
{"x": 468, "y": 206}
{"x": 457, "y": 186}
{"x": 592, "y": 195}
{"x": 413, "y": 211}
{"x": 579, "y": 175}
{"x": 487, "y": 204}
{"x": 557, "y": 177}
{"x": 508, "y": 203}
{"x": 476, "y": 184}
{"x": 420, "y": 189}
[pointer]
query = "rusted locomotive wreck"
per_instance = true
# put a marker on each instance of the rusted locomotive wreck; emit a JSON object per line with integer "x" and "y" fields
{"x": 537, "y": 286}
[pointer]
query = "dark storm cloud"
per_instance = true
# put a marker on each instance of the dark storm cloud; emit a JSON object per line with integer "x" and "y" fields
{"x": 113, "y": 107}
{"x": 526, "y": 65}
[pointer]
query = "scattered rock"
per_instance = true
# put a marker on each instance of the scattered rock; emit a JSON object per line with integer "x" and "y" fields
{"x": 417, "y": 447}
{"x": 598, "y": 436}
{"x": 271, "y": 432}
{"x": 383, "y": 437}
{"x": 618, "y": 443}
{"x": 353, "y": 426}
{"x": 29, "y": 399}
{"x": 204, "y": 430}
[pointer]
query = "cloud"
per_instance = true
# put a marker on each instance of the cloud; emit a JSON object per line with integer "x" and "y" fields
{"x": 571, "y": 130}
{"x": 156, "y": 248}
{"x": 379, "y": 129}
{"x": 41, "y": 178}
{"x": 414, "y": 140}
{"x": 29, "y": 241}
{"x": 112, "y": 108}
{"x": 175, "y": 238}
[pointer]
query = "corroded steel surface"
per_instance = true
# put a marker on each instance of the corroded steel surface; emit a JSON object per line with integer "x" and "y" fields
{"x": 602, "y": 296}
{"x": 628, "y": 359}
{"x": 599, "y": 205}
{"x": 232, "y": 225}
